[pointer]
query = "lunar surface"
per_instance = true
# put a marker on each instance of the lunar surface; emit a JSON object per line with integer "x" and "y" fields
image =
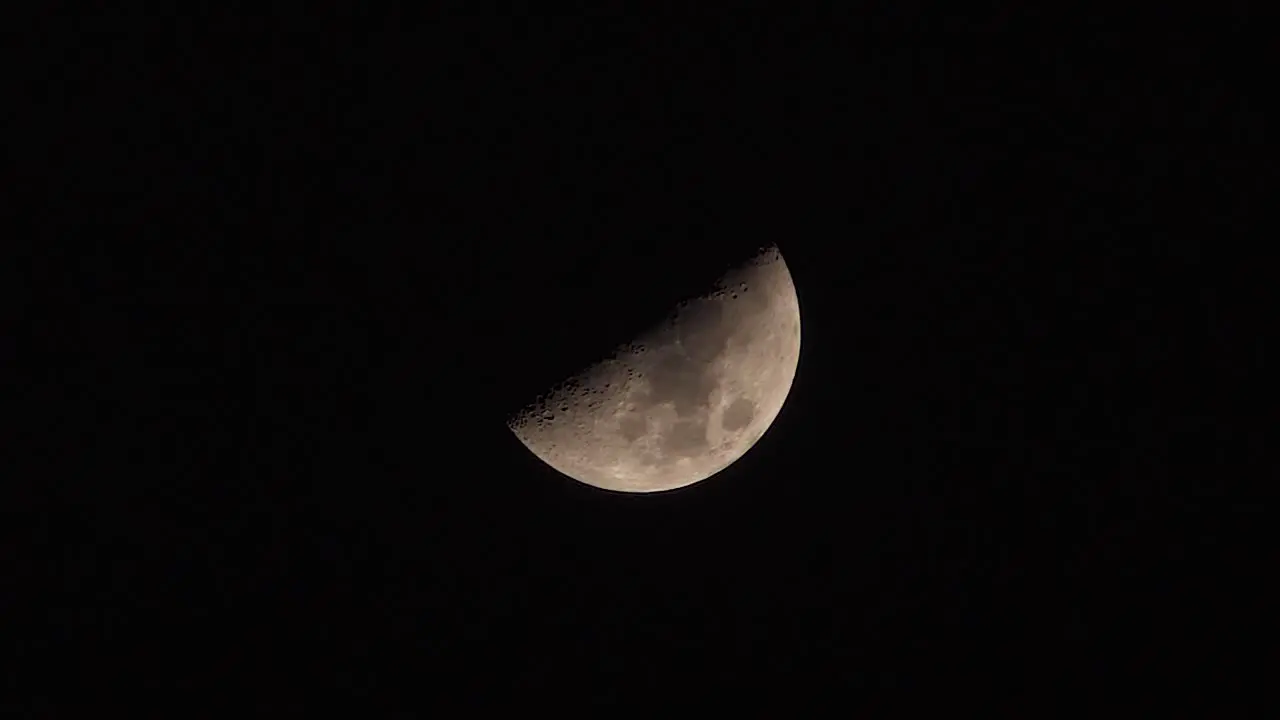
{"x": 683, "y": 401}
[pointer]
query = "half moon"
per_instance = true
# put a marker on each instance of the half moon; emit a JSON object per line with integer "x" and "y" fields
{"x": 686, "y": 399}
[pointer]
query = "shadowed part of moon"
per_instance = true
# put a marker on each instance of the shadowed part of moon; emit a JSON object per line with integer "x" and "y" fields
{"x": 687, "y": 398}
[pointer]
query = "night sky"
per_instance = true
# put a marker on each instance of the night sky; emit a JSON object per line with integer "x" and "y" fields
{"x": 302, "y": 280}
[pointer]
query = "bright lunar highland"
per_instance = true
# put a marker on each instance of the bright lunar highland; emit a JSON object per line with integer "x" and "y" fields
{"x": 687, "y": 398}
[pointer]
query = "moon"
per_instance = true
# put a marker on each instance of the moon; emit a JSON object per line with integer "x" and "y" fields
{"x": 684, "y": 400}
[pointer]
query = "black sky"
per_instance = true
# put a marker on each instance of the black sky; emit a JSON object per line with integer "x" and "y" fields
{"x": 306, "y": 278}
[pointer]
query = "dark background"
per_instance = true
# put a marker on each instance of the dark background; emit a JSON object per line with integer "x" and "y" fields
{"x": 299, "y": 281}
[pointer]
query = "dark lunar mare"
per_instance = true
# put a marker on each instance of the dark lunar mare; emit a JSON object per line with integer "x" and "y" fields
{"x": 684, "y": 374}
